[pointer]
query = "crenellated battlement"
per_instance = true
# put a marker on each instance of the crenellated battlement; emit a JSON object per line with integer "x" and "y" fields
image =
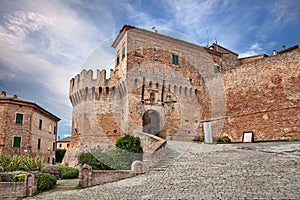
{"x": 84, "y": 87}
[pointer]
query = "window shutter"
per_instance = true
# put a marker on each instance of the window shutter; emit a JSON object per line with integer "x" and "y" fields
{"x": 19, "y": 118}
{"x": 17, "y": 141}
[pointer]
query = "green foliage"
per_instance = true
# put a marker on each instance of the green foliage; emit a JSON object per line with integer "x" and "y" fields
{"x": 31, "y": 164}
{"x": 5, "y": 162}
{"x": 9, "y": 176}
{"x": 68, "y": 172}
{"x": 59, "y": 154}
{"x": 129, "y": 143}
{"x": 128, "y": 149}
{"x": 46, "y": 182}
{"x": 123, "y": 158}
{"x": 19, "y": 178}
{"x": 224, "y": 139}
{"x": 96, "y": 164}
{"x": 10, "y": 163}
{"x": 14, "y": 163}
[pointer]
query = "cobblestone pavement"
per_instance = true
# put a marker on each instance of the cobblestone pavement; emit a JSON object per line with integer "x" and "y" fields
{"x": 222, "y": 171}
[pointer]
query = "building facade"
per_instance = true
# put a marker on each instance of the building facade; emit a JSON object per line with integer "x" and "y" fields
{"x": 27, "y": 129}
{"x": 176, "y": 90}
{"x": 63, "y": 143}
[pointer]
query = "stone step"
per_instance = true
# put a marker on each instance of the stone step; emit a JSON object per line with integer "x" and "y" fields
{"x": 173, "y": 150}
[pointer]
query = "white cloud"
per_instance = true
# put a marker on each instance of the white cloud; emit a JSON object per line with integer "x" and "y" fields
{"x": 43, "y": 43}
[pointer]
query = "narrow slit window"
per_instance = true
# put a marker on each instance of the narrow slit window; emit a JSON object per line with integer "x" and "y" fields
{"x": 175, "y": 59}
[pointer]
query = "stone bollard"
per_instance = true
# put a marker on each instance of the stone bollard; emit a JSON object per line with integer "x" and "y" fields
{"x": 85, "y": 176}
{"x": 138, "y": 167}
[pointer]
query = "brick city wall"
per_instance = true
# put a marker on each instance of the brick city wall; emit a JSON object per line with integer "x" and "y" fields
{"x": 261, "y": 96}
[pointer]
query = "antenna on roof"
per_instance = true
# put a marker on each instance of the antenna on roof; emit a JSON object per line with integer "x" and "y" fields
{"x": 207, "y": 40}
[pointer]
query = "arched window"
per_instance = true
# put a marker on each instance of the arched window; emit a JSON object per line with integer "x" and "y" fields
{"x": 107, "y": 91}
{"x": 100, "y": 91}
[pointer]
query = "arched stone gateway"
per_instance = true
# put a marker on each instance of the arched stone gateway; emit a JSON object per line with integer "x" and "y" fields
{"x": 151, "y": 122}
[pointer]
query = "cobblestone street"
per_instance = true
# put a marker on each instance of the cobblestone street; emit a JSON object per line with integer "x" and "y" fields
{"x": 202, "y": 171}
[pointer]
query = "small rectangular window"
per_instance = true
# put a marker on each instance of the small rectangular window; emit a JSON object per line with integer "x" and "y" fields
{"x": 50, "y": 128}
{"x": 174, "y": 59}
{"x": 53, "y": 146}
{"x": 39, "y": 144}
{"x": 118, "y": 60}
{"x": 19, "y": 118}
{"x": 123, "y": 53}
{"x": 17, "y": 141}
{"x": 60, "y": 145}
{"x": 40, "y": 124}
{"x": 55, "y": 129}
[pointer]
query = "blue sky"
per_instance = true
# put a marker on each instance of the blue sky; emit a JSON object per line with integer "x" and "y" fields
{"x": 43, "y": 44}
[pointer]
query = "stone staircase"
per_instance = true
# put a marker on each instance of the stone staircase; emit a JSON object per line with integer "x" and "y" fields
{"x": 66, "y": 184}
{"x": 174, "y": 150}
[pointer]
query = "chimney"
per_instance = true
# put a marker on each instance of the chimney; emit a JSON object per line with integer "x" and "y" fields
{"x": 3, "y": 94}
{"x": 15, "y": 97}
{"x": 58, "y": 139}
{"x": 274, "y": 53}
{"x": 283, "y": 47}
{"x": 154, "y": 30}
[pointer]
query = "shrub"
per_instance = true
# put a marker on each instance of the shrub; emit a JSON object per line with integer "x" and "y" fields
{"x": 9, "y": 176}
{"x": 31, "y": 164}
{"x": 59, "y": 154}
{"x": 14, "y": 163}
{"x": 10, "y": 163}
{"x": 129, "y": 143}
{"x": 68, "y": 172}
{"x": 96, "y": 164}
{"x": 46, "y": 182}
{"x": 224, "y": 139}
{"x": 128, "y": 149}
{"x": 19, "y": 178}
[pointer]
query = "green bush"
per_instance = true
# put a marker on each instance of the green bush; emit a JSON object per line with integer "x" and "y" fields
{"x": 129, "y": 143}
{"x": 9, "y": 176}
{"x": 10, "y": 163}
{"x": 31, "y": 164}
{"x": 59, "y": 154}
{"x": 68, "y": 172}
{"x": 14, "y": 163}
{"x": 19, "y": 178}
{"x": 46, "y": 182}
{"x": 97, "y": 160}
{"x": 128, "y": 149}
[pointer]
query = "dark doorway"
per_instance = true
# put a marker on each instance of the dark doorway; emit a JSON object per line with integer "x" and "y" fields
{"x": 151, "y": 122}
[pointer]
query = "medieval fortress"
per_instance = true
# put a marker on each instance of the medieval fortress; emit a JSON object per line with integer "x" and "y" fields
{"x": 176, "y": 90}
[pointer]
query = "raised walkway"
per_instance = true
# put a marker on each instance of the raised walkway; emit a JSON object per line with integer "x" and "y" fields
{"x": 202, "y": 171}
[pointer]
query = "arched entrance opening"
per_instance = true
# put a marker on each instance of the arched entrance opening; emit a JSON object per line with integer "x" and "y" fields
{"x": 151, "y": 122}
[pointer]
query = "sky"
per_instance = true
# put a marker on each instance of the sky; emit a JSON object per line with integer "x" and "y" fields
{"x": 43, "y": 44}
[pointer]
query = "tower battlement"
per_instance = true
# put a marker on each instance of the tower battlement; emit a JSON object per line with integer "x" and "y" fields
{"x": 84, "y": 87}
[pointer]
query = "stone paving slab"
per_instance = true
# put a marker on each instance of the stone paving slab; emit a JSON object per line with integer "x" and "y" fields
{"x": 218, "y": 171}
